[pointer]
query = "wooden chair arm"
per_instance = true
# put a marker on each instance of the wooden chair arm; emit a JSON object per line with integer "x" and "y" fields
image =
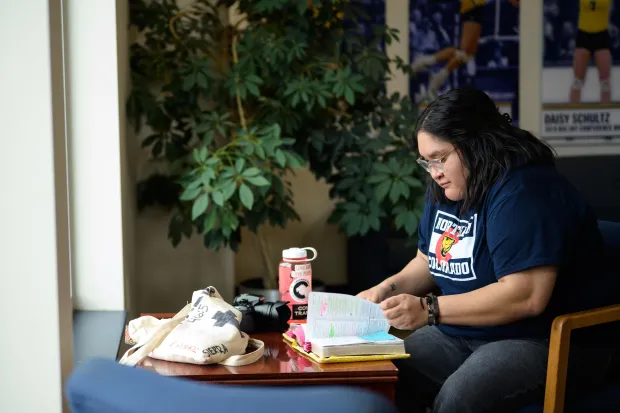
{"x": 559, "y": 346}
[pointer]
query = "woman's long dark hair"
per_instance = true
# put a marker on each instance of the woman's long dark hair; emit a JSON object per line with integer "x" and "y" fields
{"x": 486, "y": 141}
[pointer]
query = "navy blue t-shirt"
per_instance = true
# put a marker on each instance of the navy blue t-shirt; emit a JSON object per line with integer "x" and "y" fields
{"x": 530, "y": 217}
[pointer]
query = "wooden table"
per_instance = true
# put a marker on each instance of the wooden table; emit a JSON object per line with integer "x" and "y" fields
{"x": 283, "y": 366}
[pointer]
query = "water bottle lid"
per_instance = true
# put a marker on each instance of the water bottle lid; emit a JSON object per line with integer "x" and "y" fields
{"x": 294, "y": 253}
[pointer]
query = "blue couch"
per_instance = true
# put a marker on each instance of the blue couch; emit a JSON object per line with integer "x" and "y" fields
{"x": 104, "y": 386}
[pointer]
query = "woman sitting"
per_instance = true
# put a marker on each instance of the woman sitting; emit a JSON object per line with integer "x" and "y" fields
{"x": 510, "y": 244}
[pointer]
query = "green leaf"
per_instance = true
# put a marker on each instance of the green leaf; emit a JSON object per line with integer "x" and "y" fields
{"x": 254, "y": 79}
{"x": 280, "y": 158}
{"x": 407, "y": 169}
{"x": 400, "y": 209}
{"x": 200, "y": 206}
{"x": 349, "y": 95}
{"x": 353, "y": 83}
{"x": 364, "y": 225}
{"x": 228, "y": 172}
{"x": 349, "y": 206}
{"x": 353, "y": 224}
{"x": 346, "y": 183}
{"x": 412, "y": 182}
{"x": 411, "y": 223}
{"x": 228, "y": 190}
{"x": 201, "y": 79}
{"x": 248, "y": 150}
{"x": 258, "y": 181}
{"x": 218, "y": 197}
{"x": 302, "y": 7}
{"x": 242, "y": 91}
{"x": 398, "y": 189}
{"x": 189, "y": 81}
{"x": 400, "y": 220}
{"x": 205, "y": 177}
{"x": 253, "y": 89}
{"x": 393, "y": 165}
{"x": 375, "y": 179}
{"x": 209, "y": 173}
{"x": 382, "y": 190}
{"x": 246, "y": 196}
{"x": 382, "y": 168}
{"x": 374, "y": 222}
{"x": 239, "y": 164}
{"x": 293, "y": 160}
{"x": 194, "y": 184}
{"x": 276, "y": 130}
{"x": 190, "y": 194}
{"x": 295, "y": 99}
{"x": 250, "y": 172}
{"x": 210, "y": 220}
{"x": 203, "y": 154}
{"x": 260, "y": 151}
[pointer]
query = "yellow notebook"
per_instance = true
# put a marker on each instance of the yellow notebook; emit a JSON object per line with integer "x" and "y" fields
{"x": 340, "y": 359}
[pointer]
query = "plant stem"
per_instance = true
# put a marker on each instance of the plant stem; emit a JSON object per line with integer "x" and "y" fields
{"x": 242, "y": 20}
{"x": 340, "y": 113}
{"x": 177, "y": 16}
{"x": 239, "y": 105}
{"x": 269, "y": 279}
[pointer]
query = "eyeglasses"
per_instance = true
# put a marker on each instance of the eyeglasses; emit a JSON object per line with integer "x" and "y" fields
{"x": 438, "y": 163}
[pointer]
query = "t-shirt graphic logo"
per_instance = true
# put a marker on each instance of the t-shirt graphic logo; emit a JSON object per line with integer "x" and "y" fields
{"x": 451, "y": 247}
{"x": 446, "y": 241}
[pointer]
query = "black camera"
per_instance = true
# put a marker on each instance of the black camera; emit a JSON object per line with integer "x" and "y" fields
{"x": 259, "y": 315}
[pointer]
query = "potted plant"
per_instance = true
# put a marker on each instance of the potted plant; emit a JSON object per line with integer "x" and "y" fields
{"x": 233, "y": 109}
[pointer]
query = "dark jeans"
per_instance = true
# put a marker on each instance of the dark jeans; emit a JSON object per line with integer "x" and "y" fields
{"x": 454, "y": 374}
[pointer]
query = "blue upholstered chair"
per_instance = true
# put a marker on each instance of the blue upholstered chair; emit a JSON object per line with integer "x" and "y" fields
{"x": 103, "y": 386}
{"x": 600, "y": 400}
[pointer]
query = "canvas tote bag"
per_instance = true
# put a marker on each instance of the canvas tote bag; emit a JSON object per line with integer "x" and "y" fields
{"x": 206, "y": 331}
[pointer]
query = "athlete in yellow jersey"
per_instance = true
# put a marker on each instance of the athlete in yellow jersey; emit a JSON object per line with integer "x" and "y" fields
{"x": 592, "y": 39}
{"x": 468, "y": 5}
{"x": 594, "y": 15}
{"x": 471, "y": 18}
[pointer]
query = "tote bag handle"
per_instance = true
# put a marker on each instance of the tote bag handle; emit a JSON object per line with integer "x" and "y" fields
{"x": 141, "y": 350}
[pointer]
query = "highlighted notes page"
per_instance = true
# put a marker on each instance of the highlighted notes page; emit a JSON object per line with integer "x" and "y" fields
{"x": 341, "y": 315}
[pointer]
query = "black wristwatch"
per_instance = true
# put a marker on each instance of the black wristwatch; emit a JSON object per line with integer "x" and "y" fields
{"x": 433, "y": 309}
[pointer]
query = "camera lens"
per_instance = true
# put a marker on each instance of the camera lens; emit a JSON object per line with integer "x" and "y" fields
{"x": 278, "y": 312}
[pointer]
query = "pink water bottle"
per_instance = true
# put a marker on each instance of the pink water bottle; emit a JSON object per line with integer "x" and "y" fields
{"x": 295, "y": 279}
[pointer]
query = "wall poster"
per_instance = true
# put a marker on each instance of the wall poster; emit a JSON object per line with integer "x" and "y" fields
{"x": 581, "y": 70}
{"x": 456, "y": 43}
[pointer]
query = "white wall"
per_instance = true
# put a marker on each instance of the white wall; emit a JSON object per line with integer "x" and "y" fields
{"x": 96, "y": 130}
{"x": 36, "y": 343}
{"x": 397, "y": 17}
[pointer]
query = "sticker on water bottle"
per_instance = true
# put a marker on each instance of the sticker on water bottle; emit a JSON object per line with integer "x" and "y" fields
{"x": 299, "y": 289}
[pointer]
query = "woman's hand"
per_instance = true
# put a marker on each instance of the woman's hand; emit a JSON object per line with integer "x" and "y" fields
{"x": 405, "y": 312}
{"x": 375, "y": 294}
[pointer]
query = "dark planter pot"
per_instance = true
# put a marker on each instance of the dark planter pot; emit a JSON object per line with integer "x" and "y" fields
{"x": 254, "y": 286}
{"x": 376, "y": 256}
